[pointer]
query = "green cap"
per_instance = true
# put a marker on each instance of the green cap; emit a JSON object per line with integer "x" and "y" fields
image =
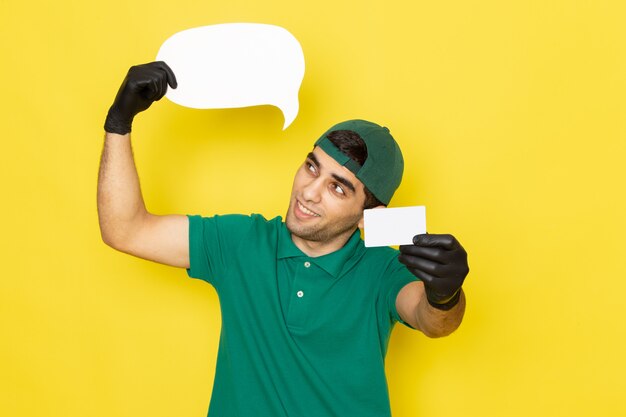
{"x": 382, "y": 171}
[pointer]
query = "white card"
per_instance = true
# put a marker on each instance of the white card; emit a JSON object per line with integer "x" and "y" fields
{"x": 233, "y": 65}
{"x": 393, "y": 226}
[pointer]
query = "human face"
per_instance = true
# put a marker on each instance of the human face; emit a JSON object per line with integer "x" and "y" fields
{"x": 326, "y": 204}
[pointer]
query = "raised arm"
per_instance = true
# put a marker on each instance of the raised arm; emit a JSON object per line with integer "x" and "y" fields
{"x": 125, "y": 223}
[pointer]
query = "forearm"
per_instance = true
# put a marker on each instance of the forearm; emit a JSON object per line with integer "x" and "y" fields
{"x": 434, "y": 322}
{"x": 120, "y": 203}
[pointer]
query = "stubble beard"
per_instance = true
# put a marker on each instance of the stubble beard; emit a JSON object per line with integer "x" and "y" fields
{"x": 321, "y": 233}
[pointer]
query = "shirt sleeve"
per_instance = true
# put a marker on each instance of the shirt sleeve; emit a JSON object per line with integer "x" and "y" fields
{"x": 395, "y": 278}
{"x": 211, "y": 241}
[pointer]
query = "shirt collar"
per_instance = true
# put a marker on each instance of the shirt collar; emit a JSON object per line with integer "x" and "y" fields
{"x": 335, "y": 263}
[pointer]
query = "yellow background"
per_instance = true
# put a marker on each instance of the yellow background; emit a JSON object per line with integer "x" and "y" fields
{"x": 511, "y": 119}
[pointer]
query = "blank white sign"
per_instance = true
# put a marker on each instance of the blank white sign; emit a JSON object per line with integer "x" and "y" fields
{"x": 233, "y": 65}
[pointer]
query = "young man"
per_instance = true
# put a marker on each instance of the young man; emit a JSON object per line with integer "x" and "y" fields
{"x": 307, "y": 310}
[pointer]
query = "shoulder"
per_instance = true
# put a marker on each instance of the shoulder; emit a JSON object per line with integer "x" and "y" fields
{"x": 233, "y": 220}
{"x": 233, "y": 227}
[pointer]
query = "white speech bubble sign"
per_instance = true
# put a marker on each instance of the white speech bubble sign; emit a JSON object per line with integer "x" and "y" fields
{"x": 235, "y": 65}
{"x": 393, "y": 226}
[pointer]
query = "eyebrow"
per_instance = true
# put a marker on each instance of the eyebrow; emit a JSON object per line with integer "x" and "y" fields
{"x": 338, "y": 178}
{"x": 313, "y": 158}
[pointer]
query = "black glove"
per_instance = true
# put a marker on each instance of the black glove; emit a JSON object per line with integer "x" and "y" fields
{"x": 441, "y": 263}
{"x": 143, "y": 85}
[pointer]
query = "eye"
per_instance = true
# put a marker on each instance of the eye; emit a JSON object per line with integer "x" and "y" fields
{"x": 310, "y": 167}
{"x": 338, "y": 189}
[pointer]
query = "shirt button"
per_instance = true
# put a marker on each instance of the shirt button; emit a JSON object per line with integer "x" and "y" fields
{"x": 307, "y": 264}
{"x": 300, "y": 294}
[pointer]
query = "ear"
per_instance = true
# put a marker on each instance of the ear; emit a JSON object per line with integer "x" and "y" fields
{"x": 361, "y": 222}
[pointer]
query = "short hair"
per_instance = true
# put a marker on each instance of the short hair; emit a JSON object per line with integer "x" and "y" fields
{"x": 351, "y": 145}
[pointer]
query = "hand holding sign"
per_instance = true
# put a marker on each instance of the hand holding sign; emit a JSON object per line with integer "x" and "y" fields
{"x": 235, "y": 65}
{"x": 143, "y": 85}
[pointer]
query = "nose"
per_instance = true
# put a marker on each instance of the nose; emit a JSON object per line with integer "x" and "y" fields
{"x": 312, "y": 191}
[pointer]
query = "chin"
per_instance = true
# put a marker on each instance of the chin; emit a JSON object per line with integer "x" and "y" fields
{"x": 303, "y": 232}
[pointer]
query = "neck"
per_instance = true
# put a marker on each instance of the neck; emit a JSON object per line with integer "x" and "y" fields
{"x": 314, "y": 248}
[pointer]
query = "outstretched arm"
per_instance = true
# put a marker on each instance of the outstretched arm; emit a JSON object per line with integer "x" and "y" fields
{"x": 436, "y": 304}
{"x": 415, "y": 310}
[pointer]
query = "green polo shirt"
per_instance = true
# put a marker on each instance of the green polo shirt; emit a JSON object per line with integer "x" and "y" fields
{"x": 301, "y": 336}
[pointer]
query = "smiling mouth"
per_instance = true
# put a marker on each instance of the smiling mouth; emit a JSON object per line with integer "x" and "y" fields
{"x": 306, "y": 210}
